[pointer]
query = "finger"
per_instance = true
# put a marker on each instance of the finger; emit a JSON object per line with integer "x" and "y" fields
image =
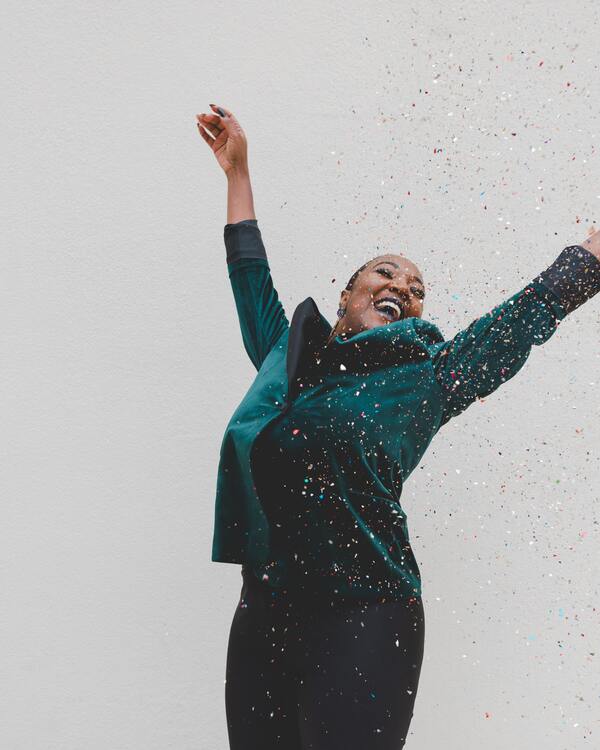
{"x": 211, "y": 125}
{"x": 227, "y": 119}
{"x": 220, "y": 110}
{"x": 210, "y": 118}
{"x": 205, "y": 135}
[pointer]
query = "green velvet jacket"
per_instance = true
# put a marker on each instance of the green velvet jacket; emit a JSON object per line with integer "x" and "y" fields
{"x": 381, "y": 396}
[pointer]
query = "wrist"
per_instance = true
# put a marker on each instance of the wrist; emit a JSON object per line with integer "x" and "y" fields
{"x": 240, "y": 203}
{"x": 238, "y": 174}
{"x": 592, "y": 244}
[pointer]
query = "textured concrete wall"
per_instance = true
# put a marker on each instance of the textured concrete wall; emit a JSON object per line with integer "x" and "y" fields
{"x": 465, "y": 137}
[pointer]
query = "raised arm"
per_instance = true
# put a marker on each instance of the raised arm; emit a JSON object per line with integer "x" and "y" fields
{"x": 261, "y": 315}
{"x": 494, "y": 347}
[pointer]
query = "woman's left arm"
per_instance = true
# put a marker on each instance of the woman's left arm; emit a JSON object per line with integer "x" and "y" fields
{"x": 494, "y": 347}
{"x": 593, "y": 244}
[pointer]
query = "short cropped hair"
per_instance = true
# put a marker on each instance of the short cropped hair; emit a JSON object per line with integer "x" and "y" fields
{"x": 352, "y": 278}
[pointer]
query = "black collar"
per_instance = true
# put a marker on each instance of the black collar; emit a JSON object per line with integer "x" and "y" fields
{"x": 405, "y": 341}
{"x": 308, "y": 335}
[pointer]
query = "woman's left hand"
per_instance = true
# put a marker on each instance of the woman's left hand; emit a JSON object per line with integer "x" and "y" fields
{"x": 593, "y": 241}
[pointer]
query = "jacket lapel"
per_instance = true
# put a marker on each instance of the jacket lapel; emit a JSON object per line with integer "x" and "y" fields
{"x": 402, "y": 342}
{"x": 308, "y": 332}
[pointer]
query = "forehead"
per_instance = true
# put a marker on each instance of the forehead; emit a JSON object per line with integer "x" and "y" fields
{"x": 399, "y": 263}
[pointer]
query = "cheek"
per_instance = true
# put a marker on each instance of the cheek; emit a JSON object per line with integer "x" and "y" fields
{"x": 415, "y": 308}
{"x": 362, "y": 303}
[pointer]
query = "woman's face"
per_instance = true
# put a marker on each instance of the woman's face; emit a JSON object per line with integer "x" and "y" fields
{"x": 389, "y": 288}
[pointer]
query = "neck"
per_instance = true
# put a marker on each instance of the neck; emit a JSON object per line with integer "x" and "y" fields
{"x": 332, "y": 335}
{"x": 334, "y": 332}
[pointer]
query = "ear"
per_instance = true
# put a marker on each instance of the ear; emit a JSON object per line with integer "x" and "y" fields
{"x": 344, "y": 297}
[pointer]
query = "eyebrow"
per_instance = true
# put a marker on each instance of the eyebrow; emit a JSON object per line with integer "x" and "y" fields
{"x": 391, "y": 263}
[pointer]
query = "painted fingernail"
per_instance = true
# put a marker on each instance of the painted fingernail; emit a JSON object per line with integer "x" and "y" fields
{"x": 220, "y": 111}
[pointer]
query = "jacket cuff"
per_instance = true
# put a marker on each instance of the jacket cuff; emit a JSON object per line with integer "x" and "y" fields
{"x": 243, "y": 240}
{"x": 574, "y": 277}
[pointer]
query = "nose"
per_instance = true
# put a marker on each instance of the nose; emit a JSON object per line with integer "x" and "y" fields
{"x": 401, "y": 288}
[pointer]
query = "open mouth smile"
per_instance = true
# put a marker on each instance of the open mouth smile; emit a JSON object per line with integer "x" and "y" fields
{"x": 389, "y": 308}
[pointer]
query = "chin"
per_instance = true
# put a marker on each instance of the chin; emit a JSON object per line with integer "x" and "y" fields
{"x": 379, "y": 320}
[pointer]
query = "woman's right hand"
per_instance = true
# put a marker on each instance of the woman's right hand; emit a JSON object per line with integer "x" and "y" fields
{"x": 227, "y": 140}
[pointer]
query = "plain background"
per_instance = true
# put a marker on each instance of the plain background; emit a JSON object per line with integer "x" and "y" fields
{"x": 465, "y": 136}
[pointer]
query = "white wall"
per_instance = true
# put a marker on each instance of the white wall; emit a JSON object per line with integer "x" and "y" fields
{"x": 122, "y": 359}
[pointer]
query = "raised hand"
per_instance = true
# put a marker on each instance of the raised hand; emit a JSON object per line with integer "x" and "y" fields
{"x": 592, "y": 243}
{"x": 224, "y": 135}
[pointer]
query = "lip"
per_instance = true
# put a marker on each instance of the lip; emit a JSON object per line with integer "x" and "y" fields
{"x": 381, "y": 315}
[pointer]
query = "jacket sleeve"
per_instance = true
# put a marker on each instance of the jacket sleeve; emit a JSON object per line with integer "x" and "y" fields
{"x": 261, "y": 315}
{"x": 494, "y": 347}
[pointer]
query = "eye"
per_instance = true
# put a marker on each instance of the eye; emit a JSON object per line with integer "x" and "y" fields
{"x": 415, "y": 289}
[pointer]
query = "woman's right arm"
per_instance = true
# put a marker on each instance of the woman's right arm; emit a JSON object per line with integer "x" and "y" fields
{"x": 260, "y": 313}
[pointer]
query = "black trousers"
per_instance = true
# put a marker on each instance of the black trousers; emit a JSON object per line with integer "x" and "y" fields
{"x": 304, "y": 673}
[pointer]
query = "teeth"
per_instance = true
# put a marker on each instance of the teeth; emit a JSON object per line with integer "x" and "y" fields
{"x": 392, "y": 305}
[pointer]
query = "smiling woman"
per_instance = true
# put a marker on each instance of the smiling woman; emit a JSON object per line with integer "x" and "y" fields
{"x": 326, "y": 644}
{"x": 384, "y": 290}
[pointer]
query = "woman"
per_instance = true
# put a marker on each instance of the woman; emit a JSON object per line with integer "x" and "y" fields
{"x": 326, "y": 644}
